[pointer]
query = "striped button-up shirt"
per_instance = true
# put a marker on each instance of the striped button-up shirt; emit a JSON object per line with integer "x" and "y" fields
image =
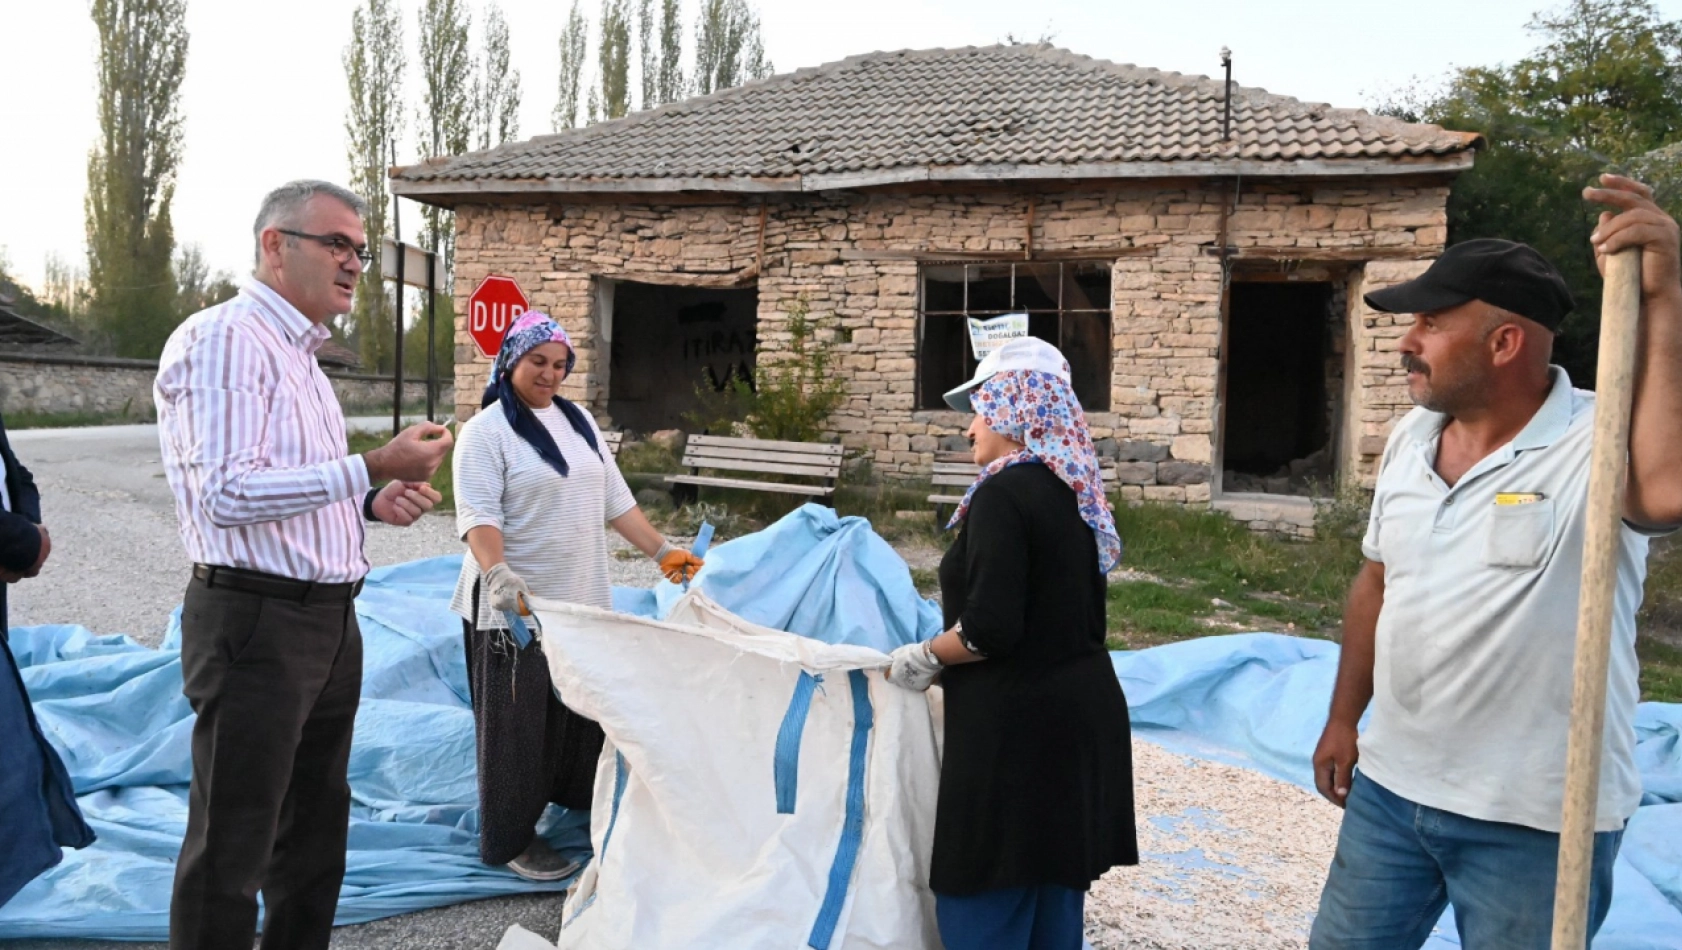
{"x": 254, "y": 443}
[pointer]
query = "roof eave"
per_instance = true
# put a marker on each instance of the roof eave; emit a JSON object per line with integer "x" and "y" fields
{"x": 449, "y": 192}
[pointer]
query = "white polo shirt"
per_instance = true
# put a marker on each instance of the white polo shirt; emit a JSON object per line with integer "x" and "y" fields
{"x": 1472, "y": 680}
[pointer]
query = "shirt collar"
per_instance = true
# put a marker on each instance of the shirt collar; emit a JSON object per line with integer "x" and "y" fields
{"x": 301, "y": 330}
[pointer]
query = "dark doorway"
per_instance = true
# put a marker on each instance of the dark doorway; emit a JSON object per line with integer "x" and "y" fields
{"x": 669, "y": 340}
{"x": 1284, "y": 380}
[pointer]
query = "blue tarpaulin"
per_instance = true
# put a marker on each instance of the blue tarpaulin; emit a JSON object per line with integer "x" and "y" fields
{"x": 114, "y": 710}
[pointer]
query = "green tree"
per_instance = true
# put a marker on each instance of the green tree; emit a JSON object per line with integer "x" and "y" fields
{"x": 196, "y": 287}
{"x": 613, "y": 61}
{"x": 131, "y": 171}
{"x": 728, "y": 48}
{"x": 496, "y": 90}
{"x": 669, "y": 86}
{"x": 374, "y": 71}
{"x": 1602, "y": 90}
{"x": 648, "y": 72}
{"x": 575, "y": 38}
{"x": 446, "y": 114}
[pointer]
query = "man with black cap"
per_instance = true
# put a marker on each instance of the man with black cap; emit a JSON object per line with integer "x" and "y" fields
{"x": 1461, "y": 626}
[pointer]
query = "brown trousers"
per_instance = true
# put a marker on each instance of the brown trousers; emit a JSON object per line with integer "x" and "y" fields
{"x": 275, "y": 684}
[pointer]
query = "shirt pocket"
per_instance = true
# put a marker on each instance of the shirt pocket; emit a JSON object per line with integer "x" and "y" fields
{"x": 1520, "y": 536}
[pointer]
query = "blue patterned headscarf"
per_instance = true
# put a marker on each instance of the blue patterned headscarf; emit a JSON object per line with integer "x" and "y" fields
{"x": 531, "y": 330}
{"x": 1040, "y": 411}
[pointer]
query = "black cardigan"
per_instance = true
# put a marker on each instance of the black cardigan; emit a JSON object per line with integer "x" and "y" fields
{"x": 1036, "y": 782}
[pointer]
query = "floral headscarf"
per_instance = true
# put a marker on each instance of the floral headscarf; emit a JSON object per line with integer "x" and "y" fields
{"x": 1040, "y": 410}
{"x": 530, "y": 331}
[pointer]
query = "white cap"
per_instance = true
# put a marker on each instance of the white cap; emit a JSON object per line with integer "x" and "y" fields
{"x": 1021, "y": 353}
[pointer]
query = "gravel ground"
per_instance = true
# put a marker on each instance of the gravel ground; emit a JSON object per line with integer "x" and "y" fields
{"x": 1223, "y": 866}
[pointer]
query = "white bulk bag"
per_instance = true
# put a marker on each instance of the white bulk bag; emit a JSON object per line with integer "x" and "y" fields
{"x": 757, "y": 789}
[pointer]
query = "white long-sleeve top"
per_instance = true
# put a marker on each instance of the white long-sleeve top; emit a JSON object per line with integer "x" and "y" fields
{"x": 553, "y": 528}
{"x": 254, "y": 444}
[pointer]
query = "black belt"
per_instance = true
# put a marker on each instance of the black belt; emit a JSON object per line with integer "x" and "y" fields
{"x": 273, "y": 585}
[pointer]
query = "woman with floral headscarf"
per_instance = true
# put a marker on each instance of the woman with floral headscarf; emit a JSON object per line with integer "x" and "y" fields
{"x": 1036, "y": 778}
{"x": 533, "y": 484}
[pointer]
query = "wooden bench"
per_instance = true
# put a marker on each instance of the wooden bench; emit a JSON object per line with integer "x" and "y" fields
{"x": 812, "y": 460}
{"x": 956, "y": 471}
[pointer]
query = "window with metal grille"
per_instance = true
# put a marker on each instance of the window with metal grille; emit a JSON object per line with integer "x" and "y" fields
{"x": 1068, "y": 306}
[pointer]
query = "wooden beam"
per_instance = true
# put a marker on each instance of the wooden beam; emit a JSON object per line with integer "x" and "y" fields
{"x": 450, "y": 192}
{"x": 1062, "y": 254}
{"x": 1327, "y": 254}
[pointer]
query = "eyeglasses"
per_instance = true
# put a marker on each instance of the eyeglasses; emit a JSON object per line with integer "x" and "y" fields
{"x": 336, "y": 244}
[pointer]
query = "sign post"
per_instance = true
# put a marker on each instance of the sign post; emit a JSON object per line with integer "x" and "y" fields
{"x": 416, "y": 267}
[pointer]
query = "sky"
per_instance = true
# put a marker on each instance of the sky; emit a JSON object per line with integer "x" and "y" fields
{"x": 265, "y": 94}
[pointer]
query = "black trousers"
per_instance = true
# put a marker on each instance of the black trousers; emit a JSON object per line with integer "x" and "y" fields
{"x": 275, "y": 684}
{"x": 532, "y": 750}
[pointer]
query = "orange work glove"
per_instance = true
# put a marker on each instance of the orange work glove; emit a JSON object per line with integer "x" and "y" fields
{"x": 677, "y": 564}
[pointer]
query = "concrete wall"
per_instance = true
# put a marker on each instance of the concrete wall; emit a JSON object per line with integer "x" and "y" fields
{"x": 848, "y": 257}
{"x": 103, "y": 385}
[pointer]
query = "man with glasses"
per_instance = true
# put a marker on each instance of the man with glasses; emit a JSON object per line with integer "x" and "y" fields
{"x": 271, "y": 511}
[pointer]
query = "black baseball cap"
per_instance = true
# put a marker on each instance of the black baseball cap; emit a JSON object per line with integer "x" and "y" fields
{"x": 1510, "y": 275}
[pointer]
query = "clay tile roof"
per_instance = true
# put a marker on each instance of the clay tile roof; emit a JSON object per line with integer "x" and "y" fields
{"x": 1024, "y": 111}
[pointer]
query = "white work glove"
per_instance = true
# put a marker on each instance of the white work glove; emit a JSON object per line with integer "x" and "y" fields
{"x": 915, "y": 666}
{"x": 505, "y": 589}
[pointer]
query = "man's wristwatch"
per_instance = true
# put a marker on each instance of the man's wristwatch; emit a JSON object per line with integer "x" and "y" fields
{"x": 368, "y": 505}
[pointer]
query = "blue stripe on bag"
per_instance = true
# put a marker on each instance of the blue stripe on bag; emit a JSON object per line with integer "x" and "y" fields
{"x": 852, "y": 829}
{"x": 785, "y": 765}
{"x": 620, "y": 773}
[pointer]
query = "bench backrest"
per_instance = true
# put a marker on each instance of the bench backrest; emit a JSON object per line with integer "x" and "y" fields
{"x": 958, "y": 469}
{"x": 812, "y": 459}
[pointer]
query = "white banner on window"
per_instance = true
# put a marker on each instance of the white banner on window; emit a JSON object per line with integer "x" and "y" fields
{"x": 985, "y": 336}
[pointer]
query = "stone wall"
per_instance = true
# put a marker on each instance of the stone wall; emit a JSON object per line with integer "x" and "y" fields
{"x": 110, "y": 386}
{"x": 849, "y": 257}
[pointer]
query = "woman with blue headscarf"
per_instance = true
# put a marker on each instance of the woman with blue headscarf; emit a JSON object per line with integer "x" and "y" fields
{"x": 1036, "y": 776}
{"x": 534, "y": 483}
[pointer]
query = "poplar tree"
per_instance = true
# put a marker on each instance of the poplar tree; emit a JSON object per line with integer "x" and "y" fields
{"x": 496, "y": 89}
{"x": 728, "y": 47}
{"x": 574, "y": 46}
{"x": 142, "y": 59}
{"x": 669, "y": 88}
{"x": 374, "y": 71}
{"x": 613, "y": 61}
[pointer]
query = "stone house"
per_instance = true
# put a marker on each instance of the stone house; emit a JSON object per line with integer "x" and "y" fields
{"x": 1202, "y": 268}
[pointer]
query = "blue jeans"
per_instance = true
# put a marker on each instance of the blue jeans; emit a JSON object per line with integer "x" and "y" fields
{"x": 1014, "y": 918}
{"x": 1398, "y": 864}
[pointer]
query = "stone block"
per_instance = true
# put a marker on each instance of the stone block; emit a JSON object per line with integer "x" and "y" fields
{"x": 1182, "y": 473}
{"x": 1136, "y": 473}
{"x": 1192, "y": 448}
{"x": 1373, "y": 444}
{"x": 1132, "y": 451}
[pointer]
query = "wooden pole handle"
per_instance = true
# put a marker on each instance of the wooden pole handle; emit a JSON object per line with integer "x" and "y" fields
{"x": 1620, "y": 318}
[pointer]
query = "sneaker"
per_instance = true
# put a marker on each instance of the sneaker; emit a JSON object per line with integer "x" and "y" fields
{"x": 539, "y": 862}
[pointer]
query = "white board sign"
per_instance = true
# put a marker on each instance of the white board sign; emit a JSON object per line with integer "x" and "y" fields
{"x": 985, "y": 336}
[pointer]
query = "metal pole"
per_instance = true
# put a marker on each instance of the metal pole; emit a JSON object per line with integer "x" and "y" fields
{"x": 1620, "y": 320}
{"x": 431, "y": 322}
{"x": 1226, "y": 116}
{"x": 397, "y": 372}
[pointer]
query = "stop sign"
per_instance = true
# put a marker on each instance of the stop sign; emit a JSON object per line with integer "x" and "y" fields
{"x": 495, "y": 303}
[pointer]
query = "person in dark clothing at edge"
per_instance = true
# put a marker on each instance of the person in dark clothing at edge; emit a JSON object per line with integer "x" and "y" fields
{"x": 38, "y": 811}
{"x": 1036, "y": 783}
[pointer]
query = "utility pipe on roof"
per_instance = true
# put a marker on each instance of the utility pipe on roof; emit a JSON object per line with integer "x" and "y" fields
{"x": 1226, "y": 115}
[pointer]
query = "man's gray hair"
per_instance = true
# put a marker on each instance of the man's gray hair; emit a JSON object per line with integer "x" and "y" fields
{"x": 282, "y": 206}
